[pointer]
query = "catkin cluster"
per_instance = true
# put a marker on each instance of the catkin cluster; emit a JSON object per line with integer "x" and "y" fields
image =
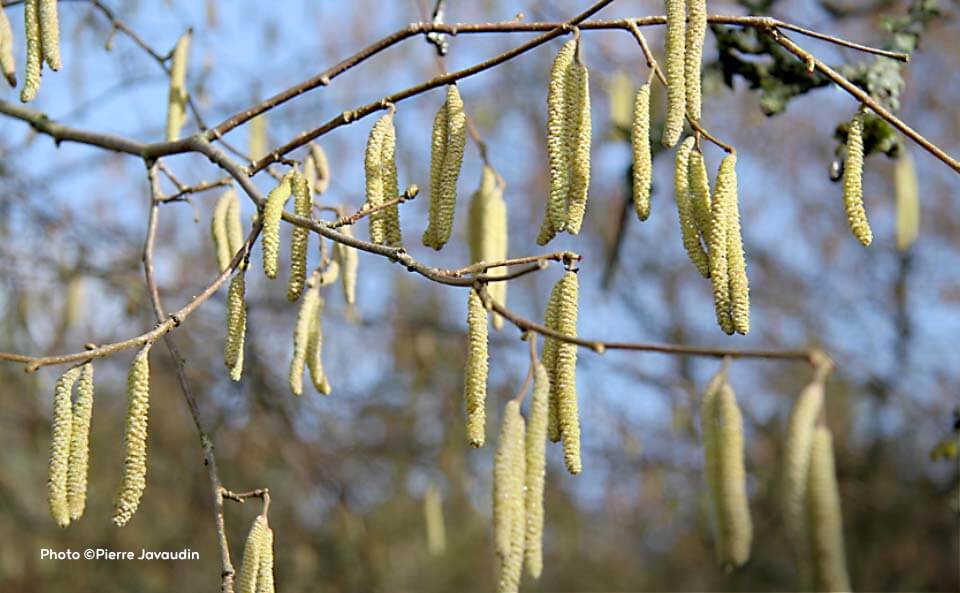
{"x": 134, "y": 439}
{"x": 723, "y": 451}
{"x": 560, "y": 359}
{"x": 256, "y": 567}
{"x": 272, "y": 213}
{"x": 177, "y": 99}
{"x": 475, "y": 375}
{"x": 446, "y": 157}
{"x": 642, "y": 159}
{"x": 380, "y": 168}
{"x": 853, "y": 183}
{"x": 41, "y": 25}
{"x": 728, "y": 269}
{"x": 509, "y": 477}
{"x": 308, "y": 343}
{"x": 226, "y": 228}
{"x": 7, "y": 65}
{"x": 569, "y": 130}
{"x": 299, "y": 237}
{"x": 487, "y": 232}
{"x": 70, "y": 445}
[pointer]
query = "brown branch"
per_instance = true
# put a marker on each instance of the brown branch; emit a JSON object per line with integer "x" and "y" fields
{"x": 410, "y": 193}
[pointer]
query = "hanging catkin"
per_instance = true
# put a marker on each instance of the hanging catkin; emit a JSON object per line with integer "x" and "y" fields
{"x": 549, "y": 358}
{"x": 730, "y": 498}
{"x": 446, "y": 158}
{"x": 61, "y": 428}
{"x": 299, "y": 237}
{"x": 257, "y": 141}
{"x": 134, "y": 439}
{"x": 825, "y": 517}
{"x": 696, "y": 31}
{"x": 475, "y": 375}
{"x": 536, "y": 440}
{"x": 349, "y": 261}
{"x": 7, "y": 65}
{"x": 736, "y": 262}
{"x": 322, "y": 168}
{"x": 433, "y": 519}
{"x": 711, "y": 457}
{"x": 908, "y": 203}
{"x": 699, "y": 193}
{"x": 853, "y": 183}
{"x": 381, "y": 181}
{"x": 579, "y": 132}
{"x": 80, "y": 443}
{"x": 272, "y": 213}
{"x": 177, "y": 99}
{"x": 236, "y": 325}
{"x": 34, "y": 63}
{"x": 50, "y": 33}
{"x": 564, "y": 380}
{"x": 642, "y": 159}
{"x": 249, "y": 572}
{"x": 391, "y": 188}
{"x": 301, "y": 338}
{"x": 315, "y": 351}
{"x": 676, "y": 84}
{"x": 265, "y": 583}
{"x": 218, "y": 231}
{"x": 796, "y": 463}
{"x": 682, "y": 193}
{"x": 719, "y": 243}
{"x": 509, "y": 472}
{"x": 558, "y": 155}
{"x": 487, "y": 232}
{"x": 234, "y": 227}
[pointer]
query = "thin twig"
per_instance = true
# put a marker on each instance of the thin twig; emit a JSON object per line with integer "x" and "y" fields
{"x": 410, "y": 193}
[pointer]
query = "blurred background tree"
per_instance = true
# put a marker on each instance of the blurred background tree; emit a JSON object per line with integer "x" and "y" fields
{"x": 348, "y": 473}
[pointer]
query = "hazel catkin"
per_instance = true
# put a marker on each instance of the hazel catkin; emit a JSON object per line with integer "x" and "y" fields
{"x": 249, "y": 573}
{"x": 446, "y": 158}
{"x": 177, "y": 98}
{"x": 558, "y": 156}
{"x": 696, "y": 31}
{"x": 34, "y": 61}
{"x": 564, "y": 380}
{"x": 272, "y": 213}
{"x": 391, "y": 189}
{"x": 301, "y": 338}
{"x": 711, "y": 457}
{"x": 676, "y": 81}
{"x": 719, "y": 242}
{"x": 699, "y": 193}
{"x": 381, "y": 182}
{"x": 487, "y": 232}
{"x": 685, "y": 211}
{"x": 218, "y": 231}
{"x": 236, "y": 325}
{"x": 579, "y": 132}
{"x": 80, "y": 443}
{"x": 536, "y": 439}
{"x": 736, "y": 527}
{"x": 433, "y": 519}
{"x": 61, "y": 428}
{"x": 642, "y": 159}
{"x": 508, "y": 500}
{"x": 736, "y": 262}
{"x": 7, "y": 65}
{"x": 321, "y": 167}
{"x": 265, "y": 582}
{"x": 315, "y": 351}
{"x": 475, "y": 376}
{"x": 134, "y": 479}
{"x": 853, "y": 183}
{"x": 299, "y": 237}
{"x": 825, "y": 516}
{"x": 549, "y": 358}
{"x": 50, "y": 33}
{"x": 349, "y": 261}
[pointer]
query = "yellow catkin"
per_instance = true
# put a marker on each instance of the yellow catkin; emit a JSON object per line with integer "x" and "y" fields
{"x": 433, "y": 519}
{"x": 446, "y": 158}
{"x": 853, "y": 183}
{"x": 218, "y": 231}
{"x": 257, "y": 141}
{"x": 272, "y": 213}
{"x": 315, "y": 351}
{"x": 236, "y": 325}
{"x": 7, "y": 64}
{"x": 549, "y": 358}
{"x": 558, "y": 154}
{"x": 50, "y": 33}
{"x": 825, "y": 517}
{"x": 699, "y": 193}
{"x": 688, "y": 226}
{"x": 299, "y": 237}
{"x": 676, "y": 84}
{"x": 642, "y": 159}
{"x": 249, "y": 572}
{"x": 475, "y": 375}
{"x": 736, "y": 262}
{"x": 391, "y": 188}
{"x": 508, "y": 499}
{"x": 349, "y": 261}
{"x": 696, "y": 32}
{"x": 736, "y": 527}
{"x": 61, "y": 428}
{"x": 234, "y": 227}
{"x": 487, "y": 232}
{"x": 711, "y": 457}
{"x": 329, "y": 274}
{"x": 579, "y": 133}
{"x": 908, "y": 203}
{"x": 80, "y": 444}
{"x": 177, "y": 99}
{"x": 265, "y": 582}
{"x": 718, "y": 242}
{"x": 34, "y": 63}
{"x": 536, "y": 439}
{"x": 373, "y": 170}
{"x": 322, "y": 168}
{"x": 301, "y": 338}
{"x": 134, "y": 479}
{"x": 564, "y": 382}
{"x": 795, "y": 465}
